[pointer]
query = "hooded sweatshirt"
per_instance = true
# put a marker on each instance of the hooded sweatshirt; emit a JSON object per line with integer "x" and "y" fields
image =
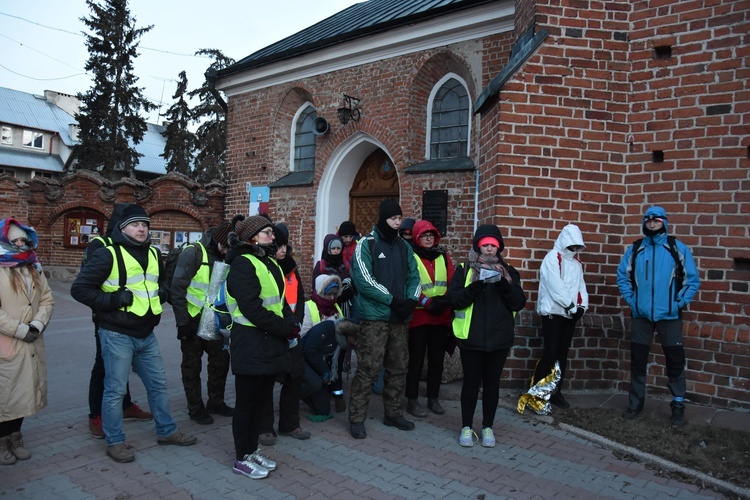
{"x": 562, "y": 288}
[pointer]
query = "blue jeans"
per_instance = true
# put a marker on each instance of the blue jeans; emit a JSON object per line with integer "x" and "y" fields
{"x": 120, "y": 353}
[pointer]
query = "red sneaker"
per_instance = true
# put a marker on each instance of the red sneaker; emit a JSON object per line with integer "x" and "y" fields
{"x": 95, "y": 427}
{"x": 134, "y": 412}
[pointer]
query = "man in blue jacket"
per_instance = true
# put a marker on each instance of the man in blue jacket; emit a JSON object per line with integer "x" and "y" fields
{"x": 658, "y": 278}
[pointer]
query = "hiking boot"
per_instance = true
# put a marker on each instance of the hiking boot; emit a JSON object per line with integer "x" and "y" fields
{"x": 558, "y": 400}
{"x": 677, "y": 419}
{"x": 260, "y": 460}
{"x": 340, "y": 404}
{"x": 358, "y": 430}
{"x": 416, "y": 409}
{"x": 267, "y": 439}
{"x": 16, "y": 444}
{"x": 467, "y": 437}
{"x": 399, "y": 422}
{"x": 120, "y": 453}
{"x": 134, "y": 412}
{"x": 179, "y": 438}
{"x": 297, "y": 433}
{"x": 488, "y": 438}
{"x": 632, "y": 413}
{"x": 249, "y": 469}
{"x": 201, "y": 417}
{"x": 95, "y": 427}
{"x": 434, "y": 406}
{"x": 223, "y": 409}
{"x": 6, "y": 452}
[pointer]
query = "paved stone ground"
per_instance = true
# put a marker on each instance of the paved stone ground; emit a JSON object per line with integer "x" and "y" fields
{"x": 531, "y": 459}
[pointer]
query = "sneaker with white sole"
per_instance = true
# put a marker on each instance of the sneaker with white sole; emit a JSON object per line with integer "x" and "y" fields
{"x": 259, "y": 459}
{"x": 488, "y": 438}
{"x": 249, "y": 469}
{"x": 468, "y": 437}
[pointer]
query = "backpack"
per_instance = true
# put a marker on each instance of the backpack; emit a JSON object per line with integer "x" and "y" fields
{"x": 680, "y": 271}
{"x": 170, "y": 265}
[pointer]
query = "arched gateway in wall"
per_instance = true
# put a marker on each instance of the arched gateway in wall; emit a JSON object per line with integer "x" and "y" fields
{"x": 358, "y": 176}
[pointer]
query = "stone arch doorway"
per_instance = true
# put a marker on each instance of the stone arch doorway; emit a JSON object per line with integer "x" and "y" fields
{"x": 351, "y": 170}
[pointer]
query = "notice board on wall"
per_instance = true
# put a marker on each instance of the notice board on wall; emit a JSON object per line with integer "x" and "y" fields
{"x": 435, "y": 209}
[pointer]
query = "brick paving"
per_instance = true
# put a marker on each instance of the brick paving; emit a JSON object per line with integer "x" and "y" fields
{"x": 531, "y": 459}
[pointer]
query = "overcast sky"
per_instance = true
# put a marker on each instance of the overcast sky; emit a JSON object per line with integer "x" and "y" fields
{"x": 41, "y": 46}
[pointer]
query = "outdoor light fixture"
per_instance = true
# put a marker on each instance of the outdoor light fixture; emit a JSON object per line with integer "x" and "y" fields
{"x": 350, "y": 111}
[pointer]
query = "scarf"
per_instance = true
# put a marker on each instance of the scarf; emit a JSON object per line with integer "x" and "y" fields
{"x": 13, "y": 256}
{"x": 334, "y": 261}
{"x": 478, "y": 261}
{"x": 428, "y": 253}
{"x": 327, "y": 307}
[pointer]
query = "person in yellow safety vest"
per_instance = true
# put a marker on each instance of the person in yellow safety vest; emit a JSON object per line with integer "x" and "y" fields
{"x": 323, "y": 305}
{"x": 430, "y": 327}
{"x": 485, "y": 293}
{"x": 188, "y": 290}
{"x": 123, "y": 284}
{"x": 291, "y": 384}
{"x": 262, "y": 330}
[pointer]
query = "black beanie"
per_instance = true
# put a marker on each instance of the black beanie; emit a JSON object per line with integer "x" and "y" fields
{"x": 347, "y": 228}
{"x": 281, "y": 234}
{"x": 388, "y": 208}
{"x": 133, "y": 213}
{"x": 490, "y": 230}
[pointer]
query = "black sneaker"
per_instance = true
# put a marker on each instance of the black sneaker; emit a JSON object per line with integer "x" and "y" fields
{"x": 399, "y": 422}
{"x": 558, "y": 400}
{"x": 202, "y": 417}
{"x": 222, "y": 409}
{"x": 678, "y": 414}
{"x": 358, "y": 430}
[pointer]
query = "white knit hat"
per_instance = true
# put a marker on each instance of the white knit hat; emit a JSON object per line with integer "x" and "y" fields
{"x": 15, "y": 232}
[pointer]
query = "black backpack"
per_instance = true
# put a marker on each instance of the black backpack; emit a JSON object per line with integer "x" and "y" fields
{"x": 679, "y": 272}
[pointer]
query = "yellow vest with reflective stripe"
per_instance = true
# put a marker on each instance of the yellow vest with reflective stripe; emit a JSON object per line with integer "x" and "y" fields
{"x": 440, "y": 286}
{"x": 144, "y": 285}
{"x": 462, "y": 317}
{"x": 315, "y": 312}
{"x": 272, "y": 297}
{"x": 196, "y": 291}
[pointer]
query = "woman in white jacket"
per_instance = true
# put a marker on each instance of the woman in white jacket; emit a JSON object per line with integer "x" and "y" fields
{"x": 561, "y": 303}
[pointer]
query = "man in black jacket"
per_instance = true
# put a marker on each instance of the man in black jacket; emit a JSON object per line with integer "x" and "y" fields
{"x": 188, "y": 291}
{"x": 121, "y": 284}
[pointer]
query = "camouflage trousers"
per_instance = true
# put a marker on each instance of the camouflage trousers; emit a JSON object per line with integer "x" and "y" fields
{"x": 192, "y": 363}
{"x": 380, "y": 343}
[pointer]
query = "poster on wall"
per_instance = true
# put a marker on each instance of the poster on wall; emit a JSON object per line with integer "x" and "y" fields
{"x": 259, "y": 197}
{"x": 81, "y": 228}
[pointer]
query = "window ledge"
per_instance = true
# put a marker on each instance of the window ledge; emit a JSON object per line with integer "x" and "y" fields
{"x": 442, "y": 165}
{"x": 295, "y": 179}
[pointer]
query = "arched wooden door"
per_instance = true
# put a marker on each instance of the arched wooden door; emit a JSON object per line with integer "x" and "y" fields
{"x": 375, "y": 180}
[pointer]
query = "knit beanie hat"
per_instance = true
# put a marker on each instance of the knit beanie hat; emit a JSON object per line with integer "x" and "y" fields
{"x": 15, "y": 232}
{"x": 347, "y": 228}
{"x": 133, "y": 213}
{"x": 251, "y": 226}
{"x": 282, "y": 236}
{"x": 221, "y": 232}
{"x": 406, "y": 225}
{"x": 335, "y": 243}
{"x": 488, "y": 231}
{"x": 389, "y": 207}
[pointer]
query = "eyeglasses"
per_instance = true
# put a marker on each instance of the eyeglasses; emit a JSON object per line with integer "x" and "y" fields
{"x": 267, "y": 232}
{"x": 427, "y": 236}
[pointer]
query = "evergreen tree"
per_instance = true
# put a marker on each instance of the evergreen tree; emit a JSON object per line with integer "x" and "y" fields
{"x": 210, "y": 162}
{"x": 181, "y": 142}
{"x": 110, "y": 117}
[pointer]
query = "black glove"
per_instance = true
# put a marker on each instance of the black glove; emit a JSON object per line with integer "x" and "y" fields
{"x": 121, "y": 298}
{"x": 397, "y": 307}
{"x": 476, "y": 287}
{"x": 185, "y": 332}
{"x": 579, "y": 312}
{"x": 409, "y": 306}
{"x": 436, "y": 305}
{"x": 504, "y": 285}
{"x": 346, "y": 284}
{"x": 31, "y": 335}
{"x": 34, "y": 329}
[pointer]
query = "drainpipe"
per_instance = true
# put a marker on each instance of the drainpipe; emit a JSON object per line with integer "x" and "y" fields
{"x": 476, "y": 200}
{"x": 212, "y": 74}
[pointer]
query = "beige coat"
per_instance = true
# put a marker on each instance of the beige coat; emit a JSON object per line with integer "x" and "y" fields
{"x": 23, "y": 365}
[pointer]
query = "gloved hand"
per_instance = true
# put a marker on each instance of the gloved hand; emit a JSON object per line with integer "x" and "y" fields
{"x": 476, "y": 287}
{"x": 293, "y": 334}
{"x": 579, "y": 312}
{"x": 31, "y": 335}
{"x": 504, "y": 285}
{"x": 185, "y": 332}
{"x": 436, "y": 305}
{"x": 397, "y": 307}
{"x": 409, "y": 306}
{"x": 346, "y": 284}
{"x": 121, "y": 298}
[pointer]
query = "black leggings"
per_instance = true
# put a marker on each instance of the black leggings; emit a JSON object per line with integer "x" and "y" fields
{"x": 254, "y": 393}
{"x": 558, "y": 334}
{"x": 10, "y": 426}
{"x": 481, "y": 369}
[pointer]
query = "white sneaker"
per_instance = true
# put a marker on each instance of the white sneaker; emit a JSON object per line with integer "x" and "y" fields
{"x": 250, "y": 469}
{"x": 468, "y": 437}
{"x": 488, "y": 438}
{"x": 259, "y": 459}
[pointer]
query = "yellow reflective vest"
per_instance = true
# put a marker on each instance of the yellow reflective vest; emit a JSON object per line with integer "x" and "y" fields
{"x": 143, "y": 285}
{"x": 272, "y": 297}
{"x": 440, "y": 286}
{"x": 315, "y": 312}
{"x": 196, "y": 290}
{"x": 462, "y": 317}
